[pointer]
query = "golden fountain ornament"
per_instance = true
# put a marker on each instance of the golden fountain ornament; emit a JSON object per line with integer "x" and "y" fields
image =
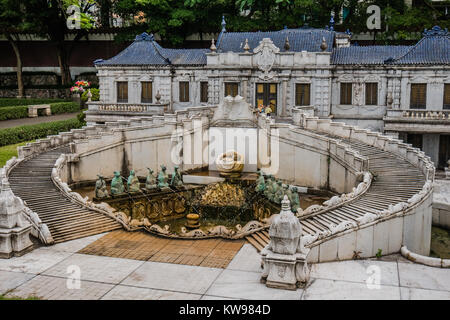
{"x": 230, "y": 164}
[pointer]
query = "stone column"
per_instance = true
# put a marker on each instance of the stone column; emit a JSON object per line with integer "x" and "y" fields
{"x": 244, "y": 90}
{"x": 284, "y": 98}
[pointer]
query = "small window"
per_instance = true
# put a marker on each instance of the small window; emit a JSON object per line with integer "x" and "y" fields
{"x": 447, "y": 96}
{"x": 231, "y": 89}
{"x": 203, "y": 91}
{"x": 371, "y": 93}
{"x": 184, "y": 91}
{"x": 346, "y": 93}
{"x": 146, "y": 92}
{"x": 418, "y": 96}
{"x": 122, "y": 91}
{"x": 302, "y": 93}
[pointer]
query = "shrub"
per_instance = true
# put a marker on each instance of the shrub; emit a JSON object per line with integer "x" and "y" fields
{"x": 95, "y": 95}
{"x": 82, "y": 118}
{"x": 26, "y": 133}
{"x": 17, "y": 112}
{"x": 64, "y": 107}
{"x": 10, "y": 102}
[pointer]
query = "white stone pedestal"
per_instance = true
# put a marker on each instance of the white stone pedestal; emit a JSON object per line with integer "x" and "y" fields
{"x": 15, "y": 242}
{"x": 283, "y": 271}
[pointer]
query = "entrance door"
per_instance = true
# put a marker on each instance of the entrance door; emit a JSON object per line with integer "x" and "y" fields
{"x": 266, "y": 94}
{"x": 444, "y": 150}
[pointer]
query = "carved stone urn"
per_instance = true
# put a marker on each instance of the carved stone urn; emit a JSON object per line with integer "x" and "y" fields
{"x": 284, "y": 258}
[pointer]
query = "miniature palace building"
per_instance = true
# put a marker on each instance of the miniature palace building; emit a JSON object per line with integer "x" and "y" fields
{"x": 402, "y": 91}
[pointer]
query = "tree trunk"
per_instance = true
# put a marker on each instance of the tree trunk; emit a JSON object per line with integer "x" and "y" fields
{"x": 18, "y": 65}
{"x": 63, "y": 64}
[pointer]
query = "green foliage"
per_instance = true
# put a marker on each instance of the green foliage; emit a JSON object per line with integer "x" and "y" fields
{"x": 379, "y": 253}
{"x": 64, "y": 107}
{"x": 10, "y": 102}
{"x": 9, "y": 151}
{"x": 82, "y": 118}
{"x": 26, "y": 133}
{"x": 16, "y": 112}
{"x": 95, "y": 95}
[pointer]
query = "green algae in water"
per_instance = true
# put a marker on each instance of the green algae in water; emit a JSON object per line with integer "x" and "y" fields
{"x": 440, "y": 243}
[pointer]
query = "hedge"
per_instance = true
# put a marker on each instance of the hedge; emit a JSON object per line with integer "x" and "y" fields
{"x": 10, "y": 102}
{"x": 64, "y": 107}
{"x": 17, "y": 112}
{"x": 37, "y": 131}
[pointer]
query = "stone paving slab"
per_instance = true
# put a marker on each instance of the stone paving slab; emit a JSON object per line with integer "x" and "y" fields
{"x": 420, "y": 276}
{"x": 94, "y": 268}
{"x": 356, "y": 271}
{"x": 247, "y": 259}
{"x": 322, "y": 289}
{"x": 246, "y": 285}
{"x": 423, "y": 294}
{"x": 122, "y": 292}
{"x": 34, "y": 262}
{"x": 173, "y": 277}
{"x": 53, "y": 288}
{"x": 10, "y": 280}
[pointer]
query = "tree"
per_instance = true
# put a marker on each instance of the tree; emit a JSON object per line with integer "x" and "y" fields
{"x": 12, "y": 23}
{"x": 49, "y": 19}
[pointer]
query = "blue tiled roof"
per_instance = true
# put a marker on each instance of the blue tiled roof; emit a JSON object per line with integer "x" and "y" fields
{"x": 146, "y": 51}
{"x": 433, "y": 48}
{"x": 359, "y": 55}
{"x": 299, "y": 40}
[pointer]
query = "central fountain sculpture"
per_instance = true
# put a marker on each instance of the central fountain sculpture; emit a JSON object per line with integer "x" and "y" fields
{"x": 230, "y": 164}
{"x": 101, "y": 190}
{"x": 284, "y": 258}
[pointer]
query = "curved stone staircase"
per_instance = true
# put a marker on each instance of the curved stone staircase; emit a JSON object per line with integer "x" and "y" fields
{"x": 395, "y": 180}
{"x": 31, "y": 181}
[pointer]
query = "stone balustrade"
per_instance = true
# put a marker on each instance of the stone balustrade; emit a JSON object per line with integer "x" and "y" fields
{"x": 419, "y": 114}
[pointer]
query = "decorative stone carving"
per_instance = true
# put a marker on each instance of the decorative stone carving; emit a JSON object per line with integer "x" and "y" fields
{"x": 284, "y": 258}
{"x": 150, "y": 182}
{"x": 265, "y": 57}
{"x": 230, "y": 164}
{"x": 163, "y": 177}
{"x": 14, "y": 228}
{"x": 100, "y": 188}
{"x": 177, "y": 180}
{"x": 260, "y": 183}
{"x": 133, "y": 183}
{"x": 117, "y": 186}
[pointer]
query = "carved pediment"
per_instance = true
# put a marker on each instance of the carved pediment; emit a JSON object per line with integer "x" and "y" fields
{"x": 265, "y": 56}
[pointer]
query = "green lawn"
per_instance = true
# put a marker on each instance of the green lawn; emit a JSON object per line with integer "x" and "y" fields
{"x": 9, "y": 151}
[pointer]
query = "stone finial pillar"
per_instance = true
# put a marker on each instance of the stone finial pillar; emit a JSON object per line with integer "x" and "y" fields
{"x": 284, "y": 258}
{"x": 14, "y": 229}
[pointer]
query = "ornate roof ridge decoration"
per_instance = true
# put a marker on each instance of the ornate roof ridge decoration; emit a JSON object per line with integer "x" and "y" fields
{"x": 144, "y": 36}
{"x": 435, "y": 31}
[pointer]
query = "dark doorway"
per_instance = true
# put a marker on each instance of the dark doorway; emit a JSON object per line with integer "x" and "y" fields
{"x": 444, "y": 150}
{"x": 416, "y": 140}
{"x": 266, "y": 94}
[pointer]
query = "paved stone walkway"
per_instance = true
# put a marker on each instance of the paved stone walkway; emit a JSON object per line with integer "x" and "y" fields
{"x": 41, "y": 119}
{"x": 43, "y": 273}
